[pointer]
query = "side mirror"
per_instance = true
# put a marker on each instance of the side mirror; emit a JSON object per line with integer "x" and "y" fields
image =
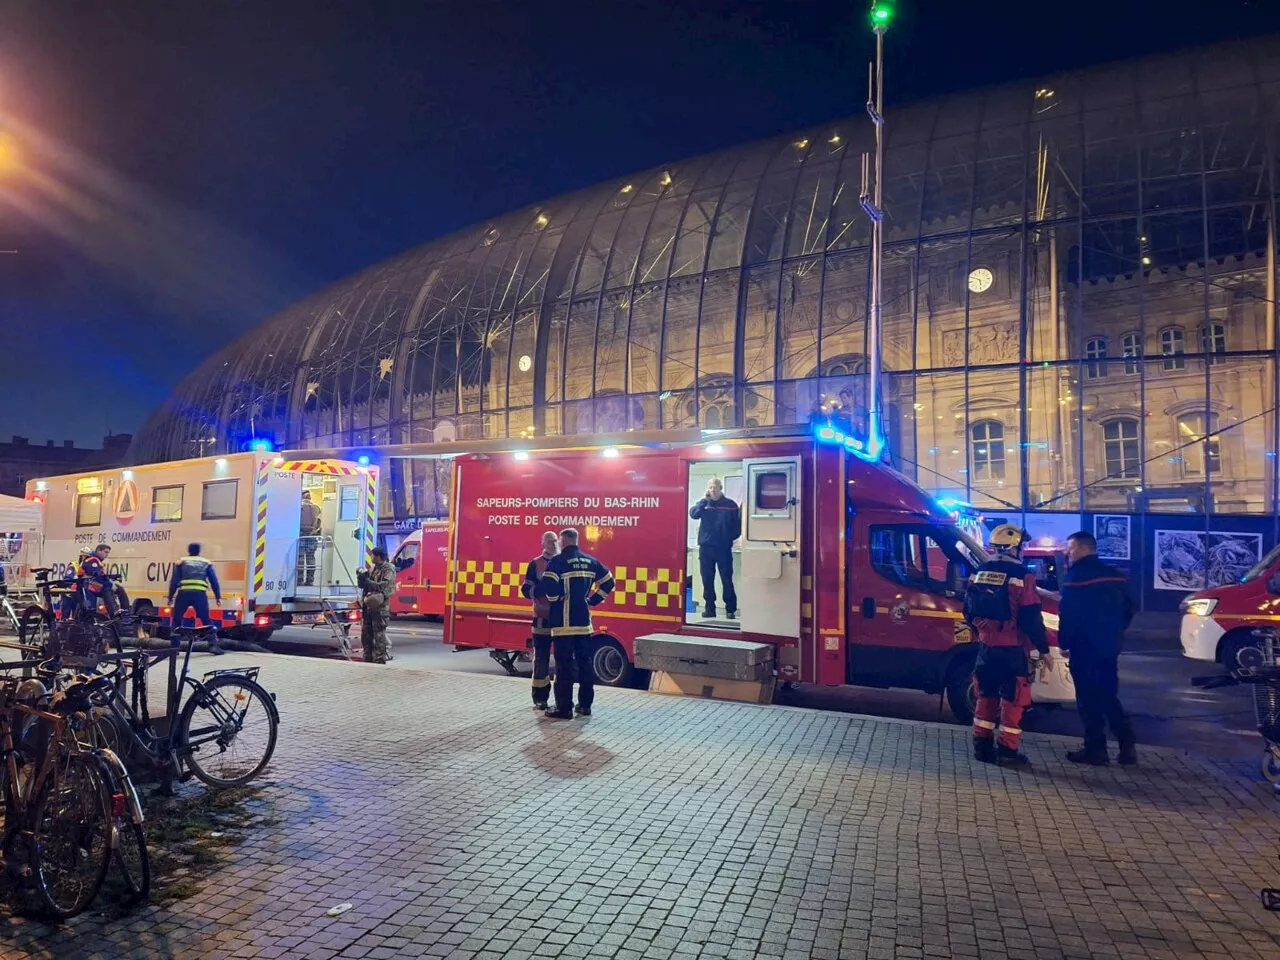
{"x": 1273, "y": 583}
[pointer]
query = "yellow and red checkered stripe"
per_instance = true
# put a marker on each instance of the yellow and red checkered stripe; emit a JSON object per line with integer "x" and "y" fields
{"x": 648, "y": 587}
{"x": 370, "y": 515}
{"x": 490, "y": 578}
{"x": 260, "y": 527}
{"x": 645, "y": 588}
{"x": 327, "y": 467}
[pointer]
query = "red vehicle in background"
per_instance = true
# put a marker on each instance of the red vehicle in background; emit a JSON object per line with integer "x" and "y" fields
{"x": 851, "y": 570}
{"x": 421, "y": 571}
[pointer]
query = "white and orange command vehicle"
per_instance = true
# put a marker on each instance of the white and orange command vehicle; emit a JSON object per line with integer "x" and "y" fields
{"x": 245, "y": 511}
{"x": 854, "y": 572}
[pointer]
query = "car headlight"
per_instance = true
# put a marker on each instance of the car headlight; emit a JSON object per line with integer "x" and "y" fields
{"x": 1201, "y": 607}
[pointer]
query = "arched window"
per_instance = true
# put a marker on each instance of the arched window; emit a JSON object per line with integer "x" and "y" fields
{"x": 1173, "y": 345}
{"x": 1213, "y": 340}
{"x": 1121, "y": 450}
{"x": 987, "y": 454}
{"x": 1131, "y": 347}
{"x": 1095, "y": 350}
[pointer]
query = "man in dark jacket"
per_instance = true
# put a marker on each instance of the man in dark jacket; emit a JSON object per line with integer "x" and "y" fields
{"x": 719, "y": 525}
{"x": 1093, "y": 614}
{"x": 531, "y": 589}
{"x": 574, "y": 582}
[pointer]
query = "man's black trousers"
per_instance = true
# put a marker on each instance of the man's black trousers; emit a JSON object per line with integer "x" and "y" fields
{"x": 1097, "y": 683}
{"x": 573, "y": 662}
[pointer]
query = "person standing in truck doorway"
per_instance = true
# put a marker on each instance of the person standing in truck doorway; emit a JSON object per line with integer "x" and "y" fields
{"x": 309, "y": 531}
{"x": 531, "y": 589}
{"x": 719, "y": 525}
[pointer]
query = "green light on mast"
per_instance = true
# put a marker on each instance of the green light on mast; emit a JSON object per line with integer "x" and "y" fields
{"x": 881, "y": 14}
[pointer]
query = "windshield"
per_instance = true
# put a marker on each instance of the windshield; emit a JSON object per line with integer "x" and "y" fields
{"x": 1262, "y": 565}
{"x": 933, "y": 558}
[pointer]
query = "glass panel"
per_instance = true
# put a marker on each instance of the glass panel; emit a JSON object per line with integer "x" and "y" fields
{"x": 1110, "y": 161}
{"x": 844, "y": 307}
{"x": 716, "y": 331}
{"x": 760, "y": 323}
{"x": 680, "y": 333}
{"x": 611, "y": 343}
{"x": 580, "y": 349}
{"x": 1242, "y": 393}
{"x": 768, "y": 225}
{"x": 625, "y": 258}
{"x": 1235, "y": 152}
{"x": 798, "y": 330}
{"x": 758, "y": 409}
{"x": 1170, "y": 154}
{"x": 646, "y": 334}
{"x": 695, "y": 230}
{"x": 595, "y": 253}
{"x": 812, "y": 212}
{"x": 166, "y": 504}
{"x": 993, "y": 436}
{"x": 679, "y": 409}
{"x": 556, "y": 347}
{"x": 655, "y": 256}
{"x": 939, "y": 460}
{"x": 731, "y": 222}
{"x": 1052, "y": 458}
{"x": 1054, "y": 164}
{"x": 948, "y": 185}
{"x": 1000, "y": 178}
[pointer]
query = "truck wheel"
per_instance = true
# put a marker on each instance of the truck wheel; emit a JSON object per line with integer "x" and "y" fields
{"x": 1231, "y": 646}
{"x": 962, "y": 690}
{"x": 610, "y": 663}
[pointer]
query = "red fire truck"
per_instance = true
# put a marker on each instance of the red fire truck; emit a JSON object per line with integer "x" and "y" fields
{"x": 852, "y": 570}
{"x": 420, "y": 571}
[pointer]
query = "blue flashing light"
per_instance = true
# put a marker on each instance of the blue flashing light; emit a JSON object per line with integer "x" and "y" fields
{"x": 363, "y": 459}
{"x": 826, "y": 433}
{"x": 261, "y": 445}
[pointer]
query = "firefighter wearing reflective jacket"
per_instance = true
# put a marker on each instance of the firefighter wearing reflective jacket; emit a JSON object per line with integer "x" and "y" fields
{"x": 531, "y": 589}
{"x": 574, "y": 583}
{"x": 1002, "y": 606}
{"x": 95, "y": 582}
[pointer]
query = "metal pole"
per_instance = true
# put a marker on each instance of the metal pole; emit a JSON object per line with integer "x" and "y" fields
{"x": 874, "y": 442}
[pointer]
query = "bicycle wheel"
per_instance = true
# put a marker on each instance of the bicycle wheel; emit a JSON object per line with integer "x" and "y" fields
{"x": 227, "y": 731}
{"x": 132, "y": 860}
{"x": 72, "y": 830}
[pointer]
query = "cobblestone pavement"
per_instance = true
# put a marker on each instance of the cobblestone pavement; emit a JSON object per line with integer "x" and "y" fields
{"x": 460, "y": 825}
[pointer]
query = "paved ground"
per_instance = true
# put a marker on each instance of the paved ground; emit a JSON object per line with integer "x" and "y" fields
{"x": 459, "y": 825}
{"x": 1155, "y": 684}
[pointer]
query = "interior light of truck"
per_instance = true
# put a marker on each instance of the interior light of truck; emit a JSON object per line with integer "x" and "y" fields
{"x": 220, "y": 462}
{"x": 610, "y": 452}
{"x": 1202, "y": 607}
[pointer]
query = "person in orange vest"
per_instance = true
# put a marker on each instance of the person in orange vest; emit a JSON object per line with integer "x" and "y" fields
{"x": 531, "y": 589}
{"x": 95, "y": 582}
{"x": 193, "y": 578}
{"x": 1003, "y": 608}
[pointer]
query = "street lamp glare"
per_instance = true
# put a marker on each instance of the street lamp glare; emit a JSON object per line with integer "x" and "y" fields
{"x": 8, "y": 152}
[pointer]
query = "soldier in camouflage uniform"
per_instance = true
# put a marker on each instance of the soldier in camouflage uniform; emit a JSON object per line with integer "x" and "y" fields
{"x": 376, "y": 586}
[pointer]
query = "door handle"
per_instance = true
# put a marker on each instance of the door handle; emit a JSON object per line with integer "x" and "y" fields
{"x": 869, "y": 607}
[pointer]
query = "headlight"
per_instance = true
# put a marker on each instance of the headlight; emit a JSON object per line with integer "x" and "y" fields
{"x": 1201, "y": 608}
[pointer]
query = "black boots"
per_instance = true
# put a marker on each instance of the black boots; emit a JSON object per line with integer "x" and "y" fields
{"x": 1128, "y": 756}
{"x": 1008, "y": 757}
{"x": 984, "y": 750}
{"x": 1089, "y": 756}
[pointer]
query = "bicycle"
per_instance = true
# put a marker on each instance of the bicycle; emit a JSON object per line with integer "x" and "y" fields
{"x": 57, "y": 825}
{"x": 224, "y": 732}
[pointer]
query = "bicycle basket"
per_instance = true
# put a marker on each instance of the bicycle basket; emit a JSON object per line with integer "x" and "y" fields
{"x": 78, "y": 645}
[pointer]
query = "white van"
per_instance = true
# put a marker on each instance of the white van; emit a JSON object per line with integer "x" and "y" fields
{"x": 245, "y": 510}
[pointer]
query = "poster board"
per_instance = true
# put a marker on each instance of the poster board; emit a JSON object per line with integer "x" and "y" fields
{"x": 1187, "y": 560}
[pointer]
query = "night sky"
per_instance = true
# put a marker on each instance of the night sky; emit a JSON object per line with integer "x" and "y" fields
{"x": 184, "y": 170}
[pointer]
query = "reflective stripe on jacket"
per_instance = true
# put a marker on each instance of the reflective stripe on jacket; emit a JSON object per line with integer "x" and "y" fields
{"x": 194, "y": 574}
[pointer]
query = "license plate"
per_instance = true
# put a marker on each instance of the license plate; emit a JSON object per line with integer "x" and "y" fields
{"x": 308, "y": 617}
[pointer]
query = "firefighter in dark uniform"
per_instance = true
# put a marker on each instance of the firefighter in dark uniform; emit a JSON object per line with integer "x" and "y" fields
{"x": 193, "y": 578}
{"x": 1002, "y": 606}
{"x": 531, "y": 589}
{"x": 573, "y": 583}
{"x": 719, "y": 525}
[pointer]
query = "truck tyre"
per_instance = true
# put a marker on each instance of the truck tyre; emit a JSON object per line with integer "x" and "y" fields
{"x": 610, "y": 663}
{"x": 962, "y": 690}
{"x": 1232, "y": 644}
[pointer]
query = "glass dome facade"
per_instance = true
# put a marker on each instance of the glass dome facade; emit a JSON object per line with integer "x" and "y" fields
{"x": 1079, "y": 303}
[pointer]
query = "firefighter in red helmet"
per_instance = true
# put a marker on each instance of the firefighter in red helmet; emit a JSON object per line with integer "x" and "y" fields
{"x": 1003, "y": 608}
